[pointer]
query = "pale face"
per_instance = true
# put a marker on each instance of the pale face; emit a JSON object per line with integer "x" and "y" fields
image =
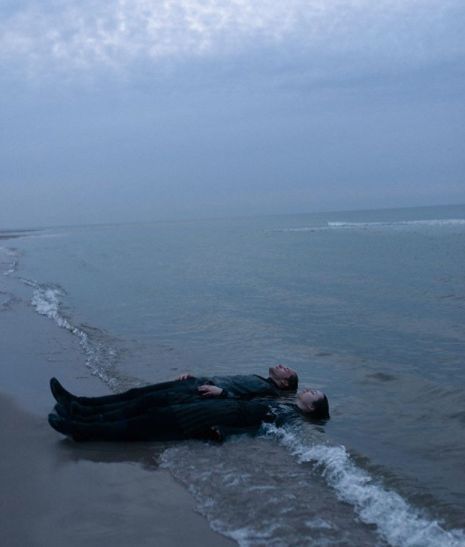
{"x": 307, "y": 397}
{"x": 281, "y": 374}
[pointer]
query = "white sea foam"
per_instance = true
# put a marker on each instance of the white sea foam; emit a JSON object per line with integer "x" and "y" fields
{"x": 301, "y": 229}
{"x": 316, "y": 523}
{"x": 47, "y": 301}
{"x": 431, "y": 222}
{"x": 397, "y": 521}
{"x": 246, "y": 536}
{"x": 373, "y": 225}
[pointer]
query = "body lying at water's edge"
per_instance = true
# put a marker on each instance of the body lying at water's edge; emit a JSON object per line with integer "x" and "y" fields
{"x": 211, "y": 419}
{"x": 183, "y": 408}
{"x": 281, "y": 380}
{"x": 208, "y": 419}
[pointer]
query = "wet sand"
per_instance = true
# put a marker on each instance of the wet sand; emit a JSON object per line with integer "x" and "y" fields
{"x": 57, "y": 492}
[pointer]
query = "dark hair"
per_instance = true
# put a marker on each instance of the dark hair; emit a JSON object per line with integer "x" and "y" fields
{"x": 320, "y": 409}
{"x": 293, "y": 382}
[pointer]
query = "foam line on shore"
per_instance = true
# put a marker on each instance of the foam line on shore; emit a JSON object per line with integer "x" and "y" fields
{"x": 100, "y": 356}
{"x": 396, "y": 520}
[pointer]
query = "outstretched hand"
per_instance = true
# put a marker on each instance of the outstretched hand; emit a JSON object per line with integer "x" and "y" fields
{"x": 184, "y": 376}
{"x": 210, "y": 391}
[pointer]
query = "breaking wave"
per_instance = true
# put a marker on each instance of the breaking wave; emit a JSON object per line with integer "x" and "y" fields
{"x": 396, "y": 521}
{"x": 100, "y": 356}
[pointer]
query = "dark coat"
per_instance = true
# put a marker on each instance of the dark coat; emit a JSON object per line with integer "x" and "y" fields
{"x": 206, "y": 419}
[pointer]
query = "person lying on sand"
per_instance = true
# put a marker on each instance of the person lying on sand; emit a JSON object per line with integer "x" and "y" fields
{"x": 281, "y": 380}
{"x": 210, "y": 419}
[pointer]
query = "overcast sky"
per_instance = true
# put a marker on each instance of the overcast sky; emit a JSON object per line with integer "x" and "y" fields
{"x": 144, "y": 110}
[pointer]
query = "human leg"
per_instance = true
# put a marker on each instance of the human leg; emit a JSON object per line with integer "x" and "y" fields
{"x": 147, "y": 427}
{"x": 65, "y": 397}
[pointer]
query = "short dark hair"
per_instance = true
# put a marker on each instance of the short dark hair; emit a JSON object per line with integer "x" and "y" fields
{"x": 320, "y": 409}
{"x": 293, "y": 382}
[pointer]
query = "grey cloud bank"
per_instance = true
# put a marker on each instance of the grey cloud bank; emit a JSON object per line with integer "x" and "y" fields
{"x": 147, "y": 110}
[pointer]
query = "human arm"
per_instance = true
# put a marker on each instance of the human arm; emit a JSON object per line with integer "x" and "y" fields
{"x": 244, "y": 387}
{"x": 184, "y": 376}
{"x": 207, "y": 390}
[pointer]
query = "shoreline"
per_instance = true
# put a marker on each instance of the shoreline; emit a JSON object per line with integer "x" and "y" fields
{"x": 59, "y": 492}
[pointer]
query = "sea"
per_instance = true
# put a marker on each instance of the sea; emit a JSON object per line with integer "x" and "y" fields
{"x": 368, "y": 306}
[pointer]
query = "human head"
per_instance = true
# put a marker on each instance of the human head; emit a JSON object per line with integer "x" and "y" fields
{"x": 313, "y": 403}
{"x": 284, "y": 377}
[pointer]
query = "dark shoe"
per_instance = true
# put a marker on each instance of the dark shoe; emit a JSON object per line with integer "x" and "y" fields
{"x": 83, "y": 412}
{"x": 62, "y": 396}
{"x": 77, "y": 411}
{"x": 62, "y": 411}
{"x": 58, "y": 424}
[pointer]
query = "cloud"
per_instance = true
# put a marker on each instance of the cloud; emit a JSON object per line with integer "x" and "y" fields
{"x": 86, "y": 35}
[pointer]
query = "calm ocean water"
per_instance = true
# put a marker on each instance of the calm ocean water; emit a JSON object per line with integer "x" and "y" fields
{"x": 368, "y": 306}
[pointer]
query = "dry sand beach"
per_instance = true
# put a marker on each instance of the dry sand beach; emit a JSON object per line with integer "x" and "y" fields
{"x": 56, "y": 492}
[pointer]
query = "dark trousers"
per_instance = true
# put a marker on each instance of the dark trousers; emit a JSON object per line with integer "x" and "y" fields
{"x": 132, "y": 408}
{"x": 159, "y": 424}
{"x": 136, "y": 392}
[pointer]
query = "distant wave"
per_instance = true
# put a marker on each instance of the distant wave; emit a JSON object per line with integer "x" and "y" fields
{"x": 301, "y": 229}
{"x": 380, "y": 224}
{"x": 100, "y": 356}
{"x": 397, "y": 522}
{"x": 432, "y": 222}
